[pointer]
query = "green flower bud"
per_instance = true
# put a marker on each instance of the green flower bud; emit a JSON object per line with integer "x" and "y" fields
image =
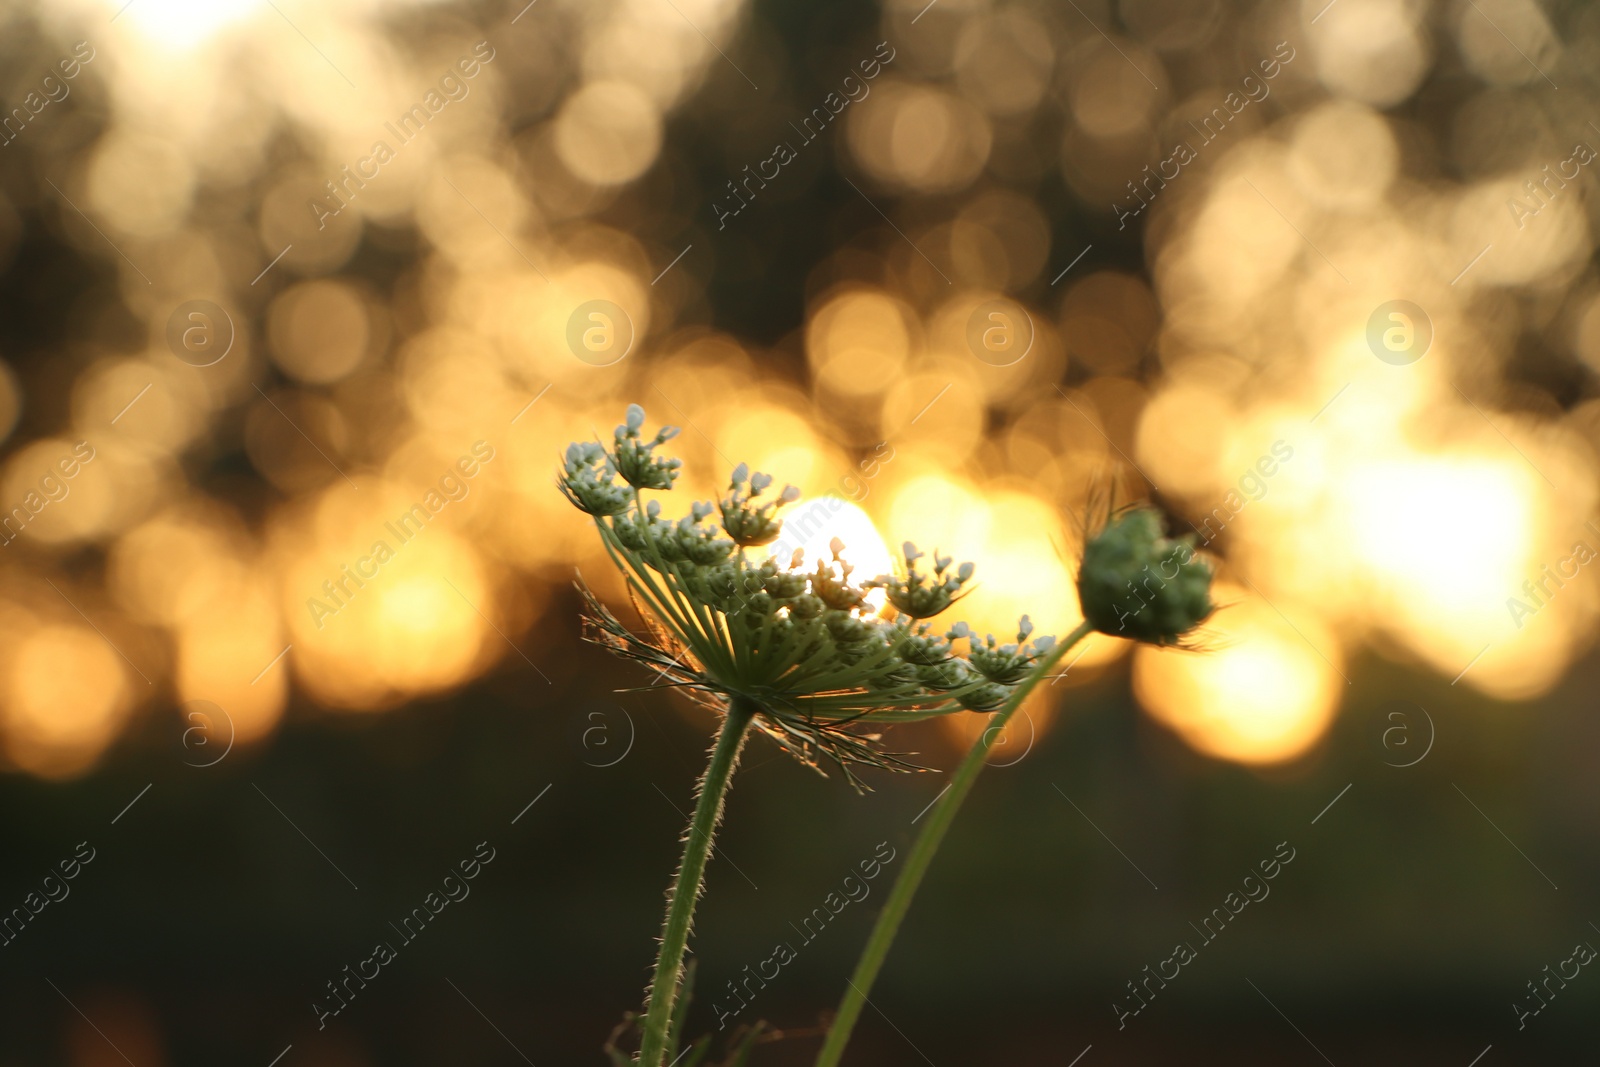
{"x": 1138, "y": 584}
{"x": 942, "y": 677}
{"x": 695, "y": 542}
{"x": 847, "y": 629}
{"x": 786, "y": 585}
{"x": 807, "y": 606}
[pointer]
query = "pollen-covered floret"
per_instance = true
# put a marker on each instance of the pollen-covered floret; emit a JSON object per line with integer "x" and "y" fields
{"x": 831, "y": 581}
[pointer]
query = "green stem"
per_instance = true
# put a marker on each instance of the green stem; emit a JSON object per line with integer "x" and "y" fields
{"x": 922, "y": 851}
{"x": 686, "y": 887}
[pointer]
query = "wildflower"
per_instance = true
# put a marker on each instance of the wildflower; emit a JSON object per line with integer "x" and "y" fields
{"x": 1009, "y": 664}
{"x": 797, "y": 653}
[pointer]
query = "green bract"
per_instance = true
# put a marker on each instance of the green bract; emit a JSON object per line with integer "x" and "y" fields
{"x": 1138, "y": 584}
{"x": 800, "y": 644}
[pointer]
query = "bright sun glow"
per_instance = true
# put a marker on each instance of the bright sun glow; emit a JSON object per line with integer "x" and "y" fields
{"x": 812, "y": 524}
{"x": 1444, "y": 539}
{"x": 182, "y": 24}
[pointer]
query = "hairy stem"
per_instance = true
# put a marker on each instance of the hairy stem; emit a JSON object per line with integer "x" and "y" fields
{"x": 686, "y": 887}
{"x": 922, "y": 851}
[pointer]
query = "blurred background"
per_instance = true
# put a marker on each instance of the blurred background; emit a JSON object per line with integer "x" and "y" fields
{"x": 283, "y": 281}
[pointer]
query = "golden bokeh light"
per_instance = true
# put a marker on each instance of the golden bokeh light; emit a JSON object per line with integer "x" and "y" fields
{"x": 1211, "y": 345}
{"x": 919, "y": 137}
{"x": 385, "y": 604}
{"x": 1259, "y": 693}
{"x": 319, "y": 331}
{"x": 1115, "y": 90}
{"x": 811, "y": 528}
{"x": 858, "y": 342}
{"x": 226, "y": 654}
{"x": 1375, "y": 51}
{"x": 1003, "y": 62}
{"x": 1344, "y": 156}
{"x": 141, "y": 182}
{"x": 1509, "y": 42}
{"x": 66, "y": 692}
{"x": 608, "y": 132}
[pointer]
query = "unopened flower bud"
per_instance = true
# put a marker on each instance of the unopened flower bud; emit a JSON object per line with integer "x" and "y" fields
{"x": 1138, "y": 584}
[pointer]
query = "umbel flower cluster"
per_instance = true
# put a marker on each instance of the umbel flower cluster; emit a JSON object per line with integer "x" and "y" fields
{"x": 799, "y": 644}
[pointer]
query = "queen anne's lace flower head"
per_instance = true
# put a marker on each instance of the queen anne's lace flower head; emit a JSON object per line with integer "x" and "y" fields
{"x": 802, "y": 644}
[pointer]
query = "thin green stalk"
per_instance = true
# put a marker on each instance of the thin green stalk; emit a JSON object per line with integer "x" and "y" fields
{"x": 922, "y": 851}
{"x": 685, "y": 891}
